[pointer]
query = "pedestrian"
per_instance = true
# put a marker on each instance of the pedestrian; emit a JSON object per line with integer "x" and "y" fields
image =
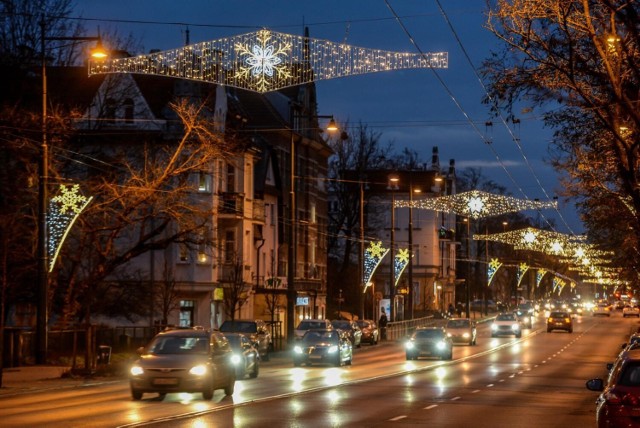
{"x": 382, "y": 323}
{"x": 459, "y": 310}
{"x": 450, "y": 310}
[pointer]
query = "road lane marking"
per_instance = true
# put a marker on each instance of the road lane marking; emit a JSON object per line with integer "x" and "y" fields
{"x": 431, "y": 407}
{"x": 397, "y": 418}
{"x": 475, "y": 390}
{"x": 455, "y": 398}
{"x": 490, "y": 385}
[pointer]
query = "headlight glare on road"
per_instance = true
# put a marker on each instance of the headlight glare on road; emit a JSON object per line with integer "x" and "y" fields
{"x": 235, "y": 359}
{"x": 333, "y": 349}
{"x": 297, "y": 349}
{"x": 136, "y": 370}
{"x": 198, "y": 370}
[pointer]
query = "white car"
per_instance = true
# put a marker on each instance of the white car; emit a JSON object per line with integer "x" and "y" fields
{"x": 506, "y": 323}
{"x": 311, "y": 324}
{"x": 602, "y": 309}
{"x": 631, "y": 311}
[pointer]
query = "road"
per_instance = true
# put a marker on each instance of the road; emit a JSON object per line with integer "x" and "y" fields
{"x": 537, "y": 380}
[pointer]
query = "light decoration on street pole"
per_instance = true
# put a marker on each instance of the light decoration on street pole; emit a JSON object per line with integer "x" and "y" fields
{"x": 372, "y": 257}
{"x": 64, "y": 209}
{"x": 558, "y": 284}
{"x": 476, "y": 204}
{"x": 266, "y": 60}
{"x": 540, "y": 273}
{"x": 400, "y": 263}
{"x": 493, "y": 267}
{"x": 522, "y": 269}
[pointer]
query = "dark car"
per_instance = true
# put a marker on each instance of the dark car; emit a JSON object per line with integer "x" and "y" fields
{"x": 461, "y": 330}
{"x": 619, "y": 402}
{"x": 351, "y": 329}
{"x": 325, "y": 346}
{"x": 256, "y": 330}
{"x": 559, "y": 321}
{"x": 429, "y": 342}
{"x": 526, "y": 313}
{"x": 245, "y": 356}
{"x": 184, "y": 360}
{"x": 370, "y": 332}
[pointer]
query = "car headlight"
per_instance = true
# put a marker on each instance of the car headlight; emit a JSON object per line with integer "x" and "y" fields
{"x": 448, "y": 334}
{"x": 494, "y": 327}
{"x": 136, "y": 370}
{"x": 297, "y": 349}
{"x": 441, "y": 345}
{"x": 515, "y": 327}
{"x": 333, "y": 349}
{"x": 466, "y": 335}
{"x": 198, "y": 370}
{"x": 235, "y": 359}
{"x": 409, "y": 345}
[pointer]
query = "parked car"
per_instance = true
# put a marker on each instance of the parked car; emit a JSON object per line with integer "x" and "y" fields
{"x": 602, "y": 309}
{"x": 461, "y": 330}
{"x": 246, "y": 357}
{"x": 506, "y": 323}
{"x": 631, "y": 311}
{"x": 617, "y": 405}
{"x": 370, "y": 332}
{"x": 309, "y": 324}
{"x": 184, "y": 360}
{"x": 430, "y": 342}
{"x": 559, "y": 321}
{"x": 325, "y": 346}
{"x": 351, "y": 329}
{"x": 256, "y": 330}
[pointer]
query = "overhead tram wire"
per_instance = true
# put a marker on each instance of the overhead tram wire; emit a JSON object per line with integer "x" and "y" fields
{"x": 502, "y": 119}
{"x": 466, "y": 115}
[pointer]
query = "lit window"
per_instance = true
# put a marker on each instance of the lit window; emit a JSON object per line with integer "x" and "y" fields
{"x": 183, "y": 255}
{"x": 204, "y": 182}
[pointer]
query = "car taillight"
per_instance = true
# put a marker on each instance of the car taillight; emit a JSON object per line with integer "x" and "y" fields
{"x": 567, "y": 320}
{"x": 550, "y": 320}
{"x": 612, "y": 398}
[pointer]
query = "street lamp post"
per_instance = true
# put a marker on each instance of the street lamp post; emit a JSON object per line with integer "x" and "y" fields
{"x": 393, "y": 186}
{"x": 410, "y": 273}
{"x": 43, "y": 196}
{"x": 291, "y": 263}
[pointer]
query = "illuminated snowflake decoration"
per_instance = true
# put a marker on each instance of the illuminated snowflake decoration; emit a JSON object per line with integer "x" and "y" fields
{"x": 494, "y": 265}
{"x": 529, "y": 237}
{"x": 70, "y": 199}
{"x": 522, "y": 269}
{"x": 376, "y": 250}
{"x": 263, "y": 60}
{"x": 400, "y": 263}
{"x": 539, "y": 275}
{"x": 475, "y": 206}
{"x": 372, "y": 257}
{"x": 64, "y": 209}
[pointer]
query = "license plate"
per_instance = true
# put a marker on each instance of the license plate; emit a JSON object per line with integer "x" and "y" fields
{"x": 165, "y": 381}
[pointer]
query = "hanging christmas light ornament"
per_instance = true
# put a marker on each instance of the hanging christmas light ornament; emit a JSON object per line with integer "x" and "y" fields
{"x": 372, "y": 257}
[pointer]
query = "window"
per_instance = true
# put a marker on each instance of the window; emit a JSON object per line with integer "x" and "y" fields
{"x": 312, "y": 214}
{"x": 186, "y": 313}
{"x": 183, "y": 253}
{"x": 204, "y": 182}
{"x": 202, "y": 247}
{"x": 231, "y": 178}
{"x": 230, "y": 246}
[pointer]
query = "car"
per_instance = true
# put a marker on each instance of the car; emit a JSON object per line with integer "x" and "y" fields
{"x": 619, "y": 402}
{"x": 351, "y": 329}
{"x": 256, "y": 330}
{"x": 324, "y": 346}
{"x": 245, "y": 357}
{"x": 526, "y": 313}
{"x": 184, "y": 360}
{"x": 461, "y": 330}
{"x": 506, "y": 323}
{"x": 618, "y": 305}
{"x": 430, "y": 342}
{"x": 559, "y": 321}
{"x": 309, "y": 324}
{"x": 370, "y": 332}
{"x": 602, "y": 309}
{"x": 631, "y": 311}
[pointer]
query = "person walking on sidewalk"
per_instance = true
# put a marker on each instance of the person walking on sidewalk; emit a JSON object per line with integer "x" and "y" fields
{"x": 383, "y": 325}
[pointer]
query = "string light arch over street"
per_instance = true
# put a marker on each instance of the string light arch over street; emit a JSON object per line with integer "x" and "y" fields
{"x": 266, "y": 60}
{"x": 477, "y": 204}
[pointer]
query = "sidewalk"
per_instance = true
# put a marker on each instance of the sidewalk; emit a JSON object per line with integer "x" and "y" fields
{"x": 20, "y": 380}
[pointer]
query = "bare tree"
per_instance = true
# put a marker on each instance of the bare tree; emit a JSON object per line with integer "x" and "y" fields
{"x": 236, "y": 290}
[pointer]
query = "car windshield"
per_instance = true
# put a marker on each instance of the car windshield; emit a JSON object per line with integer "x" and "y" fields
{"x": 240, "y": 326}
{"x": 162, "y": 345}
{"x": 321, "y": 337}
{"x": 362, "y": 324}
{"x": 458, "y": 324}
{"x": 506, "y": 317}
{"x": 235, "y": 341}
{"x": 559, "y": 315}
{"x": 308, "y": 325}
{"x": 428, "y": 334}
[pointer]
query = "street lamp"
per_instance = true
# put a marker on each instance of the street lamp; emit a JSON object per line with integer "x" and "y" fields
{"x": 410, "y": 273}
{"x": 291, "y": 265}
{"x": 393, "y": 185}
{"x": 43, "y": 182}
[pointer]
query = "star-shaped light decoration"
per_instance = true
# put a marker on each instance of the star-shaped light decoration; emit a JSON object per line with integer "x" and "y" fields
{"x": 64, "y": 209}
{"x": 522, "y": 269}
{"x": 263, "y": 60}
{"x": 540, "y": 273}
{"x": 493, "y": 267}
{"x": 529, "y": 238}
{"x": 400, "y": 263}
{"x": 476, "y": 204}
{"x": 372, "y": 257}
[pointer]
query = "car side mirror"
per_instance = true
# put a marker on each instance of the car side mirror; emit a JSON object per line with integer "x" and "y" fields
{"x": 595, "y": 385}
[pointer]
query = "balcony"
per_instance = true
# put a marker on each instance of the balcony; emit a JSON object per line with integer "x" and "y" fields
{"x": 232, "y": 204}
